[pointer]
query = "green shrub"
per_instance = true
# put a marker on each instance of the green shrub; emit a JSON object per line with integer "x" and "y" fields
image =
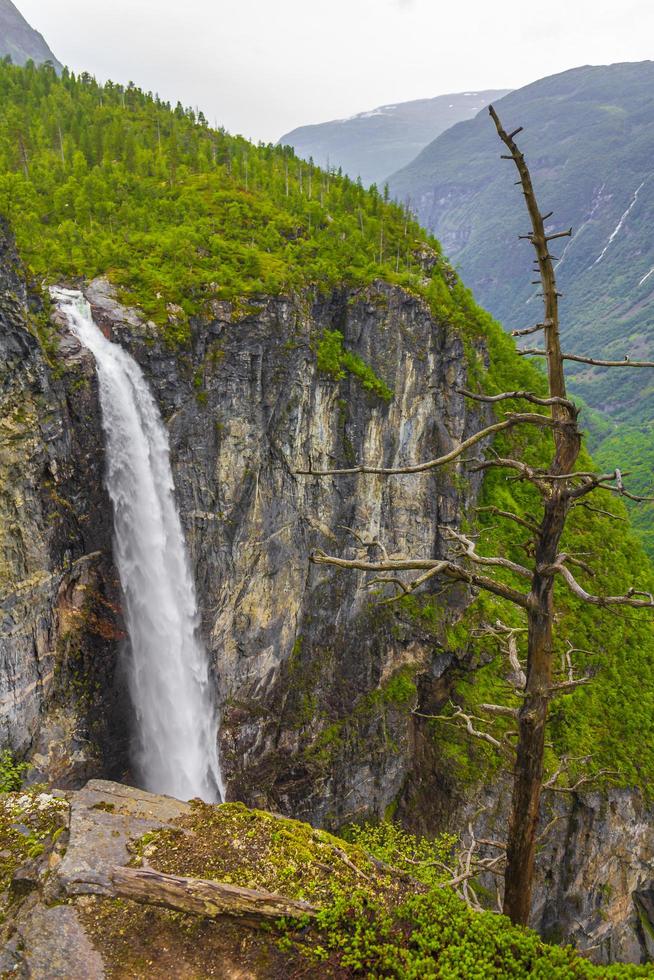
{"x": 11, "y": 772}
{"x": 333, "y": 359}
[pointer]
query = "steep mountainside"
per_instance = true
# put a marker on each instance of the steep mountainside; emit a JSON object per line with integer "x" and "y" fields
{"x": 273, "y": 320}
{"x": 19, "y": 41}
{"x": 589, "y": 137}
{"x": 372, "y": 145}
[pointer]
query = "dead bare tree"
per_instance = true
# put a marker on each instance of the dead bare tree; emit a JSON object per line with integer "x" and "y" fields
{"x": 561, "y": 488}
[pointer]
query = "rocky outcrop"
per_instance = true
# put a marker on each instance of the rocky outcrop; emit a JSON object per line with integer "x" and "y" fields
{"x": 595, "y": 867}
{"x": 58, "y": 911}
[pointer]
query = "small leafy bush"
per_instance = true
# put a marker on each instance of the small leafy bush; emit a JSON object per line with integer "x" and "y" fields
{"x": 11, "y": 772}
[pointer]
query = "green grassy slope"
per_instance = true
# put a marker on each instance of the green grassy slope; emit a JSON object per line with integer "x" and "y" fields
{"x": 108, "y": 180}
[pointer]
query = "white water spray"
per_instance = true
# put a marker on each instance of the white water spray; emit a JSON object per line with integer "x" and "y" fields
{"x": 176, "y": 739}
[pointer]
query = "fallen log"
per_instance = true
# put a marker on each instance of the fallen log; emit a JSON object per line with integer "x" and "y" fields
{"x": 201, "y": 897}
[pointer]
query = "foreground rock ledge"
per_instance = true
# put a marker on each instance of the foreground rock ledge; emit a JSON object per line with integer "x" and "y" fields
{"x": 47, "y": 940}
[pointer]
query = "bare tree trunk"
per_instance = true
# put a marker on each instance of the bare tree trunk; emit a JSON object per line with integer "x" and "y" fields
{"x": 528, "y": 772}
{"x": 560, "y": 488}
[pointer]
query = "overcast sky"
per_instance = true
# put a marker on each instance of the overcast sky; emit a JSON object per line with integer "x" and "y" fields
{"x": 262, "y": 67}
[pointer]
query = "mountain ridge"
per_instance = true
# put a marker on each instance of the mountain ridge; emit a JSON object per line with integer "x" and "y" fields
{"x": 20, "y": 41}
{"x": 374, "y": 143}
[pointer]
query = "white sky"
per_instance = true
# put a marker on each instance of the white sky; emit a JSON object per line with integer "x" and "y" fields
{"x": 262, "y": 67}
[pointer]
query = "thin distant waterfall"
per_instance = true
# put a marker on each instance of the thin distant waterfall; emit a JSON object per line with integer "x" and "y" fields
{"x": 175, "y": 745}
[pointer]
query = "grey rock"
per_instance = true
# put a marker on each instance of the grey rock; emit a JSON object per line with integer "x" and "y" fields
{"x": 104, "y": 817}
{"x": 55, "y": 945}
{"x": 61, "y": 697}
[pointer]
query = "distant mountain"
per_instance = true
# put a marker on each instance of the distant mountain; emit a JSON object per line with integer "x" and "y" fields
{"x": 20, "y": 41}
{"x": 374, "y": 144}
{"x": 589, "y": 139}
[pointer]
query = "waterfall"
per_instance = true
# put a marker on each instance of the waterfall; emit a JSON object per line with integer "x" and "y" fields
{"x": 175, "y": 743}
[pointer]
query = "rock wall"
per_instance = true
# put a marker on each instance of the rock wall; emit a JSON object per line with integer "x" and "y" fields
{"x": 59, "y": 602}
{"x": 316, "y": 680}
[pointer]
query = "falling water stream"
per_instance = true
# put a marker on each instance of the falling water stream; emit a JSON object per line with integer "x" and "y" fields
{"x": 175, "y": 744}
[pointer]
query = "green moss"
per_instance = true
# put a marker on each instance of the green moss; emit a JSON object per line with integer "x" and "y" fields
{"x": 253, "y": 849}
{"x": 11, "y": 772}
{"x": 398, "y": 691}
{"x": 29, "y": 822}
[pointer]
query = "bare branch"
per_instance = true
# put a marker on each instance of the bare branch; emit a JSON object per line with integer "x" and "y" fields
{"x": 373, "y": 543}
{"x": 559, "y": 234}
{"x": 528, "y": 330}
{"x": 594, "y": 361}
{"x": 448, "y": 568}
{"x": 518, "y": 676}
{"x": 468, "y": 724}
{"x": 513, "y": 419}
{"x": 509, "y": 395}
{"x": 598, "y": 510}
{"x": 565, "y": 686}
{"x": 563, "y": 557}
{"x": 522, "y": 521}
{"x": 390, "y": 580}
{"x": 546, "y": 831}
{"x": 594, "y": 482}
{"x": 470, "y": 552}
{"x": 506, "y": 637}
{"x": 499, "y": 709}
{"x": 503, "y": 462}
{"x": 551, "y": 786}
{"x": 628, "y": 599}
{"x": 408, "y": 587}
{"x": 538, "y": 476}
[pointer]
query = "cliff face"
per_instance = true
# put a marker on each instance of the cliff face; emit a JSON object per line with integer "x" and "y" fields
{"x": 317, "y": 679}
{"x": 316, "y": 682}
{"x": 58, "y": 593}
